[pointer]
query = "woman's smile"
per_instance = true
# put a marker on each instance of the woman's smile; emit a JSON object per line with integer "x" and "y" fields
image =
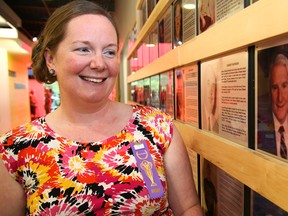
{"x": 94, "y": 80}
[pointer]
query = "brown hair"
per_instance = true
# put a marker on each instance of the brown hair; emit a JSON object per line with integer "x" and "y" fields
{"x": 55, "y": 30}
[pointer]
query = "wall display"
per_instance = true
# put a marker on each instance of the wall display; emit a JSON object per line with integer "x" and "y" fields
{"x": 146, "y": 51}
{"x": 146, "y": 91}
{"x": 213, "y": 11}
{"x": 133, "y": 91}
{"x": 161, "y": 32}
{"x": 137, "y": 92}
{"x": 186, "y": 85}
{"x": 261, "y": 206}
{"x": 224, "y": 8}
{"x": 179, "y": 94}
{"x": 165, "y": 33}
{"x": 155, "y": 93}
{"x": 233, "y": 98}
{"x": 221, "y": 193}
{"x": 224, "y": 96}
{"x": 139, "y": 57}
{"x": 189, "y": 19}
{"x": 177, "y": 23}
{"x": 150, "y": 6}
{"x": 153, "y": 44}
{"x": 166, "y": 93}
{"x": 144, "y": 12}
{"x": 272, "y": 100}
{"x": 206, "y": 14}
{"x": 133, "y": 65}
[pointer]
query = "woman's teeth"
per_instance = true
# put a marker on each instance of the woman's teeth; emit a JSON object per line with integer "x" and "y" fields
{"x": 94, "y": 80}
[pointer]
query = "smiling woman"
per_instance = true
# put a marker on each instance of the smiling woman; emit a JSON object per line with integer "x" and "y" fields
{"x": 93, "y": 156}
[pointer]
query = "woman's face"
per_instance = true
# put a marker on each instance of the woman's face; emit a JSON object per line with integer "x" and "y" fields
{"x": 86, "y": 61}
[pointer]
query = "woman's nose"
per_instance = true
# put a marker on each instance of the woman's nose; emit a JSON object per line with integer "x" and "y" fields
{"x": 97, "y": 62}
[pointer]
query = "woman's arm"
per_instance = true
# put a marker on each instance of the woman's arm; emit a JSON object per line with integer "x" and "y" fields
{"x": 182, "y": 193}
{"x": 12, "y": 198}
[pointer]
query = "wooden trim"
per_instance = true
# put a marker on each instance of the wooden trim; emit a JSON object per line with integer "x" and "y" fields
{"x": 139, "y": 4}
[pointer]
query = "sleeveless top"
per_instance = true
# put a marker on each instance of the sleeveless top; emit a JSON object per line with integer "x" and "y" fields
{"x": 65, "y": 177}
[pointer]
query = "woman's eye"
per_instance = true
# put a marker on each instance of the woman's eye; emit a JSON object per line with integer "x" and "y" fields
{"x": 110, "y": 53}
{"x": 83, "y": 49}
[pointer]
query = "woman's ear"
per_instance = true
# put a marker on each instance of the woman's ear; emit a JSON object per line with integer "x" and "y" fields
{"x": 48, "y": 58}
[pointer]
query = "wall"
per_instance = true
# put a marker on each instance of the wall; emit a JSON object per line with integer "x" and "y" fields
{"x": 5, "y": 117}
{"x": 125, "y": 15}
{"x": 14, "y": 88}
{"x": 19, "y": 88}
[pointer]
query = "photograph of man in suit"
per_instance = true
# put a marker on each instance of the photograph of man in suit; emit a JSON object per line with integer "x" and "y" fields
{"x": 275, "y": 139}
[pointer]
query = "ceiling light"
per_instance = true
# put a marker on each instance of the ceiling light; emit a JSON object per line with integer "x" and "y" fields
{"x": 189, "y": 6}
{"x": 7, "y": 30}
{"x": 150, "y": 45}
{"x": 8, "y": 33}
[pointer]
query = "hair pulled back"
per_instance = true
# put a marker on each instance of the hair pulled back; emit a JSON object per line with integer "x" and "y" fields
{"x": 55, "y": 30}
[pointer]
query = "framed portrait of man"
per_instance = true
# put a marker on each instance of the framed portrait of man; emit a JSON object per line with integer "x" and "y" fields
{"x": 272, "y": 99}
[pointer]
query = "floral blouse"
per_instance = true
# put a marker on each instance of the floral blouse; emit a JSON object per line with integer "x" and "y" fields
{"x": 65, "y": 177}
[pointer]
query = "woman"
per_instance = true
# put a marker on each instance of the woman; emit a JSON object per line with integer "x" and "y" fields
{"x": 92, "y": 156}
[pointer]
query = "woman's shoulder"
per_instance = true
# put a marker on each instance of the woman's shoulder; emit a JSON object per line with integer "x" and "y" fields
{"x": 24, "y": 129}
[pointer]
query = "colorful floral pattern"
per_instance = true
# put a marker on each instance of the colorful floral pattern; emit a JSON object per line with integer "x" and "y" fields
{"x": 64, "y": 177}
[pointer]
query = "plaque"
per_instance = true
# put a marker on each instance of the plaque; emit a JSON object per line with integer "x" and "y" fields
{"x": 166, "y": 93}
{"x": 224, "y": 93}
{"x": 272, "y": 99}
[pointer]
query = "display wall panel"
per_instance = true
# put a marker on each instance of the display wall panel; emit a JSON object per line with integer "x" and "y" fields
{"x": 224, "y": 96}
{"x": 222, "y": 195}
{"x": 167, "y": 92}
{"x": 177, "y": 23}
{"x": 262, "y": 206}
{"x": 165, "y": 33}
{"x": 272, "y": 98}
{"x": 213, "y": 11}
{"x": 186, "y": 96}
{"x": 146, "y": 51}
{"x": 189, "y": 19}
{"x": 247, "y": 165}
{"x": 147, "y": 91}
{"x": 153, "y": 44}
{"x": 155, "y": 91}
